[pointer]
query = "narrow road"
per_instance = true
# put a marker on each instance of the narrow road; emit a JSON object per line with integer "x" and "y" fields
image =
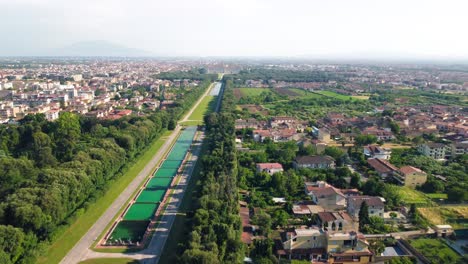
{"x": 82, "y": 251}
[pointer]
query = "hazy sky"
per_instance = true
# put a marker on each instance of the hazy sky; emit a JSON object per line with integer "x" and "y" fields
{"x": 315, "y": 28}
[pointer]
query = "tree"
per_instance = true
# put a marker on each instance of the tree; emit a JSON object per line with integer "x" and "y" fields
{"x": 377, "y": 246}
{"x": 456, "y": 194}
{"x": 362, "y": 140}
{"x": 355, "y": 180}
{"x": 172, "y": 124}
{"x": 363, "y": 216}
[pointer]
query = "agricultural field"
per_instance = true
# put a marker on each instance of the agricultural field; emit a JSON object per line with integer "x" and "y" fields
{"x": 453, "y": 215}
{"x": 296, "y": 92}
{"x": 335, "y": 95}
{"x": 361, "y": 97}
{"x": 249, "y": 92}
{"x": 435, "y": 250}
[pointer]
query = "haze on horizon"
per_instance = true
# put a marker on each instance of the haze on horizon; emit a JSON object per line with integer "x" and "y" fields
{"x": 366, "y": 29}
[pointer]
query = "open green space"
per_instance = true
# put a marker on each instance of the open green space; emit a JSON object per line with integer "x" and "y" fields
{"x": 141, "y": 211}
{"x": 73, "y": 233}
{"x": 436, "y": 250}
{"x": 128, "y": 231}
{"x": 304, "y": 94}
{"x": 151, "y": 196}
{"x": 411, "y": 196}
{"x": 203, "y": 108}
{"x": 252, "y": 91}
{"x": 437, "y": 195}
{"x": 110, "y": 261}
{"x": 335, "y": 95}
{"x": 456, "y": 216}
{"x": 158, "y": 183}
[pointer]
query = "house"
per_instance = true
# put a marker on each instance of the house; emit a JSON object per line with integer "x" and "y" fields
{"x": 433, "y": 150}
{"x": 375, "y": 151}
{"x": 269, "y": 168}
{"x": 410, "y": 176}
{"x": 383, "y": 168}
{"x": 349, "y": 247}
{"x": 316, "y": 245}
{"x": 459, "y": 148}
{"x": 443, "y": 230}
{"x": 381, "y": 134}
{"x": 303, "y": 243}
{"x": 280, "y": 120}
{"x": 325, "y": 195}
{"x": 259, "y": 135}
{"x": 314, "y": 162}
{"x": 376, "y": 205}
{"x": 339, "y": 221}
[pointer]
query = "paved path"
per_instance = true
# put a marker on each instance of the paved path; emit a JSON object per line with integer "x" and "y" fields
{"x": 82, "y": 251}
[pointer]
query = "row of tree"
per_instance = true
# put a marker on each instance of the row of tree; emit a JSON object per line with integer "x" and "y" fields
{"x": 51, "y": 171}
{"x": 216, "y": 225}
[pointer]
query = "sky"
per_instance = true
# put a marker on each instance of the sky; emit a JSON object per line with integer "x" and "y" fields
{"x": 425, "y": 29}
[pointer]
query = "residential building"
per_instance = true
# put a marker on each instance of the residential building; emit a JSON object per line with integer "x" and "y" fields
{"x": 314, "y": 162}
{"x": 325, "y": 195}
{"x": 410, "y": 176}
{"x": 376, "y": 205}
{"x": 375, "y": 151}
{"x": 383, "y": 168}
{"x": 433, "y": 150}
{"x": 269, "y": 168}
{"x": 333, "y": 222}
{"x": 315, "y": 244}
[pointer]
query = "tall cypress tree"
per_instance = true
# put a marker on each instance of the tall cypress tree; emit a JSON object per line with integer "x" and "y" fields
{"x": 363, "y": 216}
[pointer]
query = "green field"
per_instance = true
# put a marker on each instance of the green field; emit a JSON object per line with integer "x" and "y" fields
{"x": 411, "y": 196}
{"x": 335, "y": 95}
{"x": 437, "y": 195}
{"x": 110, "y": 261}
{"x": 206, "y": 106}
{"x": 435, "y": 250}
{"x": 253, "y": 91}
{"x": 73, "y": 233}
{"x": 304, "y": 94}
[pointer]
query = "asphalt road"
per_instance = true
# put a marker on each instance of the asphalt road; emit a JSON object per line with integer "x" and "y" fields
{"x": 81, "y": 251}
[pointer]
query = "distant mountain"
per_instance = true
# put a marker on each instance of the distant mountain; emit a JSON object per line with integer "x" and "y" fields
{"x": 98, "y": 48}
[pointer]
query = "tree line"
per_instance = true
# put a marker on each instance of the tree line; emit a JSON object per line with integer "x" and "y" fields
{"x": 283, "y": 75}
{"x": 216, "y": 225}
{"x": 50, "y": 172}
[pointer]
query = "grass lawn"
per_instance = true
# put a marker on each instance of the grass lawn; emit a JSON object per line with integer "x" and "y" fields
{"x": 411, "y": 196}
{"x": 206, "y": 105}
{"x": 435, "y": 250}
{"x": 335, "y": 95}
{"x": 110, "y": 261}
{"x": 71, "y": 235}
{"x": 305, "y": 94}
{"x": 437, "y": 195}
{"x": 253, "y": 91}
